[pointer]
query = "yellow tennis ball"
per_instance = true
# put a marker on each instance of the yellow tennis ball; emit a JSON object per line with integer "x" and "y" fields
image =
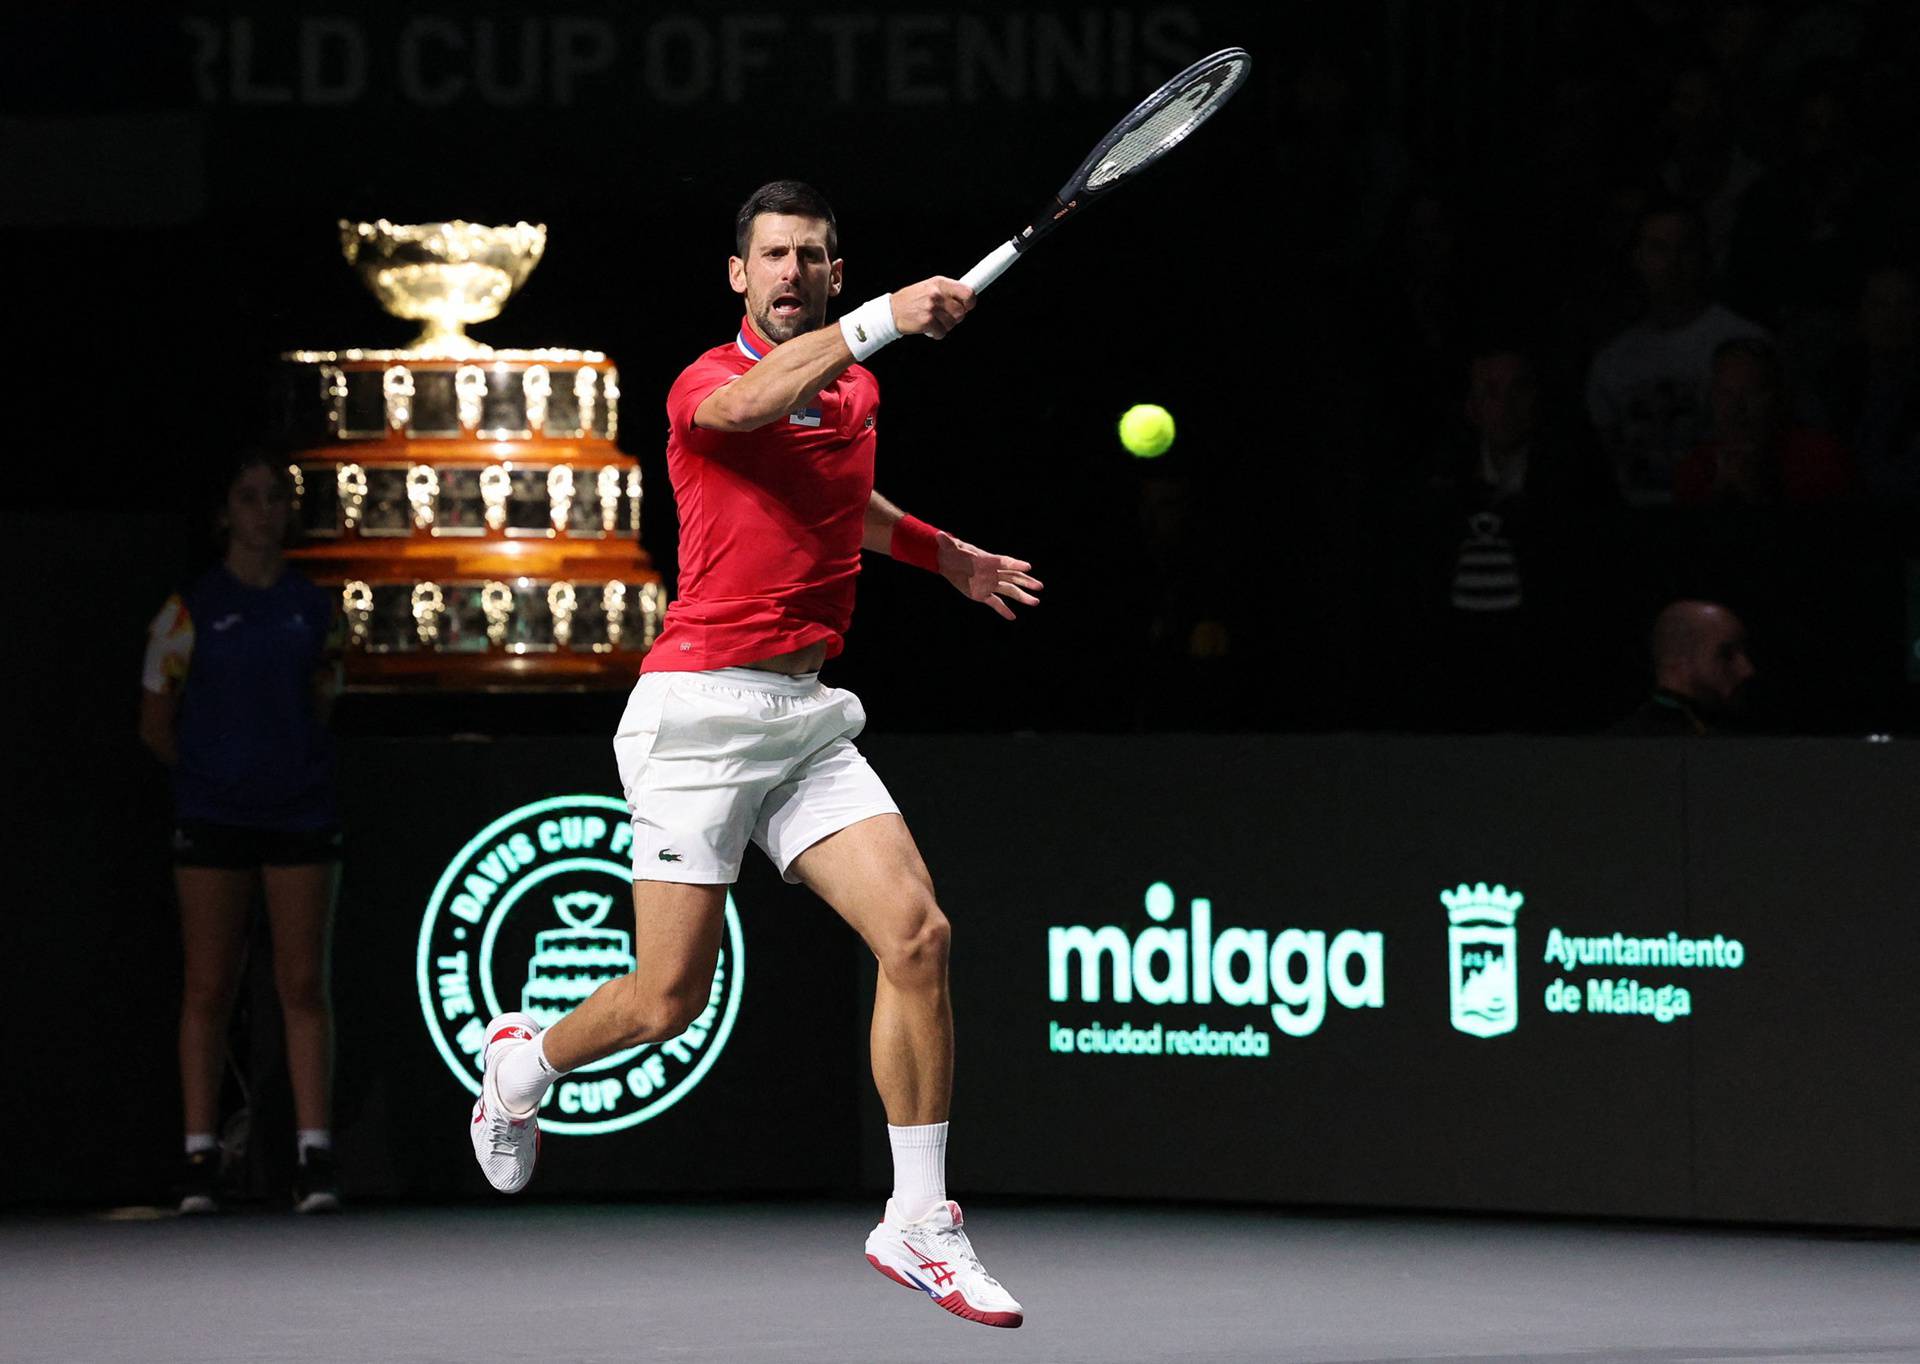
{"x": 1147, "y": 430}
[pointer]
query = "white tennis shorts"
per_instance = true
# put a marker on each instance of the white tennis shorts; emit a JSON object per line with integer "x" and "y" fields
{"x": 712, "y": 759}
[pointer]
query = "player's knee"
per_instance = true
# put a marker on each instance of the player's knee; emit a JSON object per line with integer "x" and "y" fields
{"x": 916, "y": 955}
{"x": 652, "y": 1013}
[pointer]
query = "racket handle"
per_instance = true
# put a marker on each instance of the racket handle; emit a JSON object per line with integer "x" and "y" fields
{"x": 993, "y": 265}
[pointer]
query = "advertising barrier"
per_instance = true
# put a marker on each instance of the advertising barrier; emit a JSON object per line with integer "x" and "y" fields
{"x": 1632, "y": 978}
{"x": 1636, "y": 978}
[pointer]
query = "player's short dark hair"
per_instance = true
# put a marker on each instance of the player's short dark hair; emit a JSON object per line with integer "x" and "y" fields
{"x": 793, "y": 197}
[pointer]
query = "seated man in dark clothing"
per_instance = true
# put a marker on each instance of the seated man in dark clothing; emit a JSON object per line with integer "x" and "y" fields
{"x": 1700, "y": 672}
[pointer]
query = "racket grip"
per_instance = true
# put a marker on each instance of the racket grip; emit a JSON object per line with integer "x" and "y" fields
{"x": 993, "y": 265}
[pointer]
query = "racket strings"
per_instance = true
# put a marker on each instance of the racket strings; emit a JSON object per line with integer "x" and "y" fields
{"x": 1165, "y": 128}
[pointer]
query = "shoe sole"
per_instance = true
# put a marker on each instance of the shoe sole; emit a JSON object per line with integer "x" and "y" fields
{"x": 318, "y": 1203}
{"x": 197, "y": 1205}
{"x": 954, "y": 1302}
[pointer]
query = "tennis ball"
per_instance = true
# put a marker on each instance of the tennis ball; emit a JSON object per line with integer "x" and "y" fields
{"x": 1147, "y": 430}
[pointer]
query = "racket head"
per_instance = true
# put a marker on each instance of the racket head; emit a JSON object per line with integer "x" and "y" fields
{"x": 1159, "y": 123}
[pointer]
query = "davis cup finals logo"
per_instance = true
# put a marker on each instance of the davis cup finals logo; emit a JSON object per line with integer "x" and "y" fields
{"x": 523, "y": 918}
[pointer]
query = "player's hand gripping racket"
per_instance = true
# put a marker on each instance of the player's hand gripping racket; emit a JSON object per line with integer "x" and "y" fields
{"x": 1157, "y": 125}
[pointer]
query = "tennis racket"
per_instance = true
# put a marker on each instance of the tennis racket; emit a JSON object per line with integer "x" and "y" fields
{"x": 1158, "y": 124}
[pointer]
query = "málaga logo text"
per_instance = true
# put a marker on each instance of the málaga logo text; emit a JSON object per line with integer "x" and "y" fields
{"x": 1286, "y": 977}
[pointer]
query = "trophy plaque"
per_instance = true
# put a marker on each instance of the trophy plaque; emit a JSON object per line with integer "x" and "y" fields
{"x": 469, "y": 505}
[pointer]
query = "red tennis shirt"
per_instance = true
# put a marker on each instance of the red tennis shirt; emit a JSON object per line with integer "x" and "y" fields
{"x": 770, "y": 519}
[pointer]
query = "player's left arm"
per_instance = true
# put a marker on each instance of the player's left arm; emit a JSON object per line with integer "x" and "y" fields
{"x": 977, "y": 575}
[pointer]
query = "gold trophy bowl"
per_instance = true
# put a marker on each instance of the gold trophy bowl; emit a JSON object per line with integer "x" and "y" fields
{"x": 444, "y": 275}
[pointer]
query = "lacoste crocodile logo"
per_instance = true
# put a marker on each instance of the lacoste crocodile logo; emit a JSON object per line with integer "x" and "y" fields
{"x": 669, "y": 855}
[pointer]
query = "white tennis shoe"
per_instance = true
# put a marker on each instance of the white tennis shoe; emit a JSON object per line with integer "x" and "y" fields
{"x": 505, "y": 1146}
{"x": 934, "y": 1256}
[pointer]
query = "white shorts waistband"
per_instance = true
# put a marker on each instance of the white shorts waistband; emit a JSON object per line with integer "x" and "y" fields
{"x": 761, "y": 679}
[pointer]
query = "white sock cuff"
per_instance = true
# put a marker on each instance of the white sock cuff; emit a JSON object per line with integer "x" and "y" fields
{"x": 315, "y": 1139}
{"x": 526, "y": 1075}
{"x": 201, "y": 1141}
{"x": 919, "y": 1169}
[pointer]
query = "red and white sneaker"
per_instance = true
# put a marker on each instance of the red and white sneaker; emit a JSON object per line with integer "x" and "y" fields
{"x": 934, "y": 1256}
{"x": 505, "y": 1146}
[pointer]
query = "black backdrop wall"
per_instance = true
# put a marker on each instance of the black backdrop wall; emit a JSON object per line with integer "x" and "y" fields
{"x": 1671, "y": 981}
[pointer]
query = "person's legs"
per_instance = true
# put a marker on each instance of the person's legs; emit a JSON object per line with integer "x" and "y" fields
{"x": 872, "y": 874}
{"x": 300, "y": 913}
{"x": 213, "y": 932}
{"x": 676, "y": 942}
{"x": 692, "y": 818}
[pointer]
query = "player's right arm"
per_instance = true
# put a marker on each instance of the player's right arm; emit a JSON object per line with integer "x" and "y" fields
{"x": 163, "y": 674}
{"x": 794, "y": 371}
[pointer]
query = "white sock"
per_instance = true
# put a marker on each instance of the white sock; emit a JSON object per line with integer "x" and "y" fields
{"x": 919, "y": 1169}
{"x": 201, "y": 1141}
{"x": 525, "y": 1076}
{"x": 314, "y": 1139}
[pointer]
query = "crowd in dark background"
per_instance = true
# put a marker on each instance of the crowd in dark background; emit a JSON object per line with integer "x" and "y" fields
{"x": 1648, "y": 335}
{"x": 1436, "y": 302}
{"x": 1650, "y": 339}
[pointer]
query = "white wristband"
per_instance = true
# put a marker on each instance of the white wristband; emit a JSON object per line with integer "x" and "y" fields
{"x": 870, "y": 326}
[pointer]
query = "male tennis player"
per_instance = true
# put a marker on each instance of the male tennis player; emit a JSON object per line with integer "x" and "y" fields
{"x": 730, "y": 736}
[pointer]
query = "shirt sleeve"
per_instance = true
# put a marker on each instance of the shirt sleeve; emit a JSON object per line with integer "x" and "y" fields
{"x": 169, "y": 648}
{"x": 694, "y": 386}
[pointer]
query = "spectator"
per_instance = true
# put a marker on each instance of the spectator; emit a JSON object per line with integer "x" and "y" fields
{"x": 1870, "y": 397}
{"x": 1185, "y": 667}
{"x": 1700, "y": 672}
{"x": 1808, "y": 226}
{"x": 1426, "y": 286}
{"x": 1756, "y": 455}
{"x": 1512, "y": 533}
{"x": 237, "y": 687}
{"x": 1331, "y": 157}
{"x": 1705, "y": 165}
{"x": 1647, "y": 389}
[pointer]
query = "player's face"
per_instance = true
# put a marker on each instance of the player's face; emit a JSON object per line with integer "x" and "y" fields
{"x": 786, "y": 275}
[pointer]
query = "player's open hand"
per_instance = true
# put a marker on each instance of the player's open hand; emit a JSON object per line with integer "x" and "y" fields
{"x": 991, "y": 578}
{"x": 933, "y": 307}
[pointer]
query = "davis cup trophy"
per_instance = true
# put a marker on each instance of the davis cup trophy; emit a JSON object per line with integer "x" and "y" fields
{"x": 468, "y": 504}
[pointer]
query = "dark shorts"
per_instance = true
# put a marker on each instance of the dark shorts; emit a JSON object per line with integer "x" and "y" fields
{"x": 202, "y": 843}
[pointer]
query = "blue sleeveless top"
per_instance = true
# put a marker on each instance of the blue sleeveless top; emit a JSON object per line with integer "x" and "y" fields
{"x": 252, "y": 751}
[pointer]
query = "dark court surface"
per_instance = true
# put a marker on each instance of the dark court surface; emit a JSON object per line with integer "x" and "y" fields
{"x": 739, "y": 1283}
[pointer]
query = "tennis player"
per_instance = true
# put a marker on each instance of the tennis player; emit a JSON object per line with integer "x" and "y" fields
{"x": 730, "y": 736}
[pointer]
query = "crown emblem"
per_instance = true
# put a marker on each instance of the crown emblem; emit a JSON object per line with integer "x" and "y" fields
{"x": 1481, "y": 904}
{"x": 585, "y": 909}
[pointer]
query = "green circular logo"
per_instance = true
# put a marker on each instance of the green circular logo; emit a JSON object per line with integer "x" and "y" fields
{"x": 525, "y": 918}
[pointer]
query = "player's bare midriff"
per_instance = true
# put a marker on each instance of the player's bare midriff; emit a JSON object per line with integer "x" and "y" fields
{"x": 803, "y": 660}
